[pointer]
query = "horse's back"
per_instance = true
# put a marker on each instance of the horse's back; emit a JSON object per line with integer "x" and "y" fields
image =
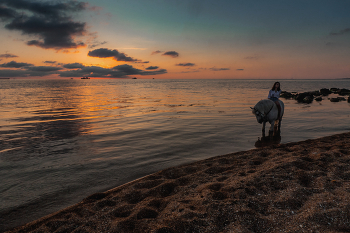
{"x": 265, "y": 103}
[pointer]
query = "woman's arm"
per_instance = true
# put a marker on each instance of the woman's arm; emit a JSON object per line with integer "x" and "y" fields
{"x": 269, "y": 96}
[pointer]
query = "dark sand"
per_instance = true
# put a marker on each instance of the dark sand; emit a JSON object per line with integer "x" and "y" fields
{"x": 294, "y": 187}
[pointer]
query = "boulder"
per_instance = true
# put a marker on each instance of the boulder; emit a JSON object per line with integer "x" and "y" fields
{"x": 337, "y": 99}
{"x": 308, "y": 99}
{"x": 325, "y": 91}
{"x": 334, "y": 99}
{"x": 305, "y": 97}
{"x": 286, "y": 95}
{"x": 344, "y": 92}
{"x": 318, "y": 99}
{"x": 334, "y": 90}
{"x": 316, "y": 93}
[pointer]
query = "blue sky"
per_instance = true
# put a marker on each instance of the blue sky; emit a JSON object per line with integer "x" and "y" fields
{"x": 212, "y": 39}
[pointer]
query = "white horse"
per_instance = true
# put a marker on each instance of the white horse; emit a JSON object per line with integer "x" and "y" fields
{"x": 266, "y": 110}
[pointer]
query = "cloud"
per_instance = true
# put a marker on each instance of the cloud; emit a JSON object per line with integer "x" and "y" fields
{"x": 13, "y": 64}
{"x": 341, "y": 32}
{"x": 73, "y": 65}
{"x": 252, "y": 58}
{"x": 50, "y": 62}
{"x": 74, "y": 70}
{"x": 120, "y": 71}
{"x": 143, "y": 62}
{"x": 7, "y": 13}
{"x": 96, "y": 43}
{"x": 7, "y": 55}
{"x": 13, "y": 73}
{"x": 106, "y": 53}
{"x": 43, "y": 68}
{"x": 152, "y": 68}
{"x": 91, "y": 71}
{"x": 219, "y": 69}
{"x": 49, "y": 22}
{"x": 46, "y": 8}
{"x": 171, "y": 54}
{"x": 156, "y": 72}
{"x": 127, "y": 69}
{"x": 185, "y": 64}
{"x": 239, "y": 69}
{"x": 156, "y": 52}
{"x": 26, "y": 69}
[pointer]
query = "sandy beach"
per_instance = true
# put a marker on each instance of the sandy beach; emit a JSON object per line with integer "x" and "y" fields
{"x": 293, "y": 187}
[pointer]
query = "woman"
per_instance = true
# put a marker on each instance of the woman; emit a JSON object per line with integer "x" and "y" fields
{"x": 274, "y": 95}
{"x": 275, "y": 92}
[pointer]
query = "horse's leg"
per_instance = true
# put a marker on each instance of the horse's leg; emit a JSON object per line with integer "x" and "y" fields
{"x": 279, "y": 125}
{"x": 263, "y": 129}
{"x": 271, "y": 128}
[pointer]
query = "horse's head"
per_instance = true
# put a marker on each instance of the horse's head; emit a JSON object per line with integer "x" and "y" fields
{"x": 259, "y": 115}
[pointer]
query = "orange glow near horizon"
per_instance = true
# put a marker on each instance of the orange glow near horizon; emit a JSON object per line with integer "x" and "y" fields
{"x": 218, "y": 43}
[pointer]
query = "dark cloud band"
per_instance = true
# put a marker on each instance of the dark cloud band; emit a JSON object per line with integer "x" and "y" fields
{"x": 341, "y": 32}
{"x": 171, "y": 54}
{"x": 50, "y": 22}
{"x": 7, "y": 55}
{"x": 13, "y": 64}
{"x": 107, "y": 53}
{"x": 116, "y": 72}
{"x": 185, "y": 64}
{"x": 152, "y": 68}
{"x": 73, "y": 70}
{"x": 219, "y": 69}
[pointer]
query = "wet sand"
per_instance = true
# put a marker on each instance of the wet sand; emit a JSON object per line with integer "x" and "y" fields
{"x": 294, "y": 187}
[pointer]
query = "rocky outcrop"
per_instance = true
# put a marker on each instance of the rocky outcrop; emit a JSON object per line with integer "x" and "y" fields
{"x": 308, "y": 97}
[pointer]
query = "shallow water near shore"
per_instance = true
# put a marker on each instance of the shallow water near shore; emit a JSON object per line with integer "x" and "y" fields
{"x": 62, "y": 140}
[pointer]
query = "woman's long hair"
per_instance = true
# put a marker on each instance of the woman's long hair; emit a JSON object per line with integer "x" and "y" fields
{"x": 273, "y": 87}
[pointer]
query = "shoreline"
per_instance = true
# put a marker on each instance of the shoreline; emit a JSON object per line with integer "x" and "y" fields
{"x": 296, "y": 187}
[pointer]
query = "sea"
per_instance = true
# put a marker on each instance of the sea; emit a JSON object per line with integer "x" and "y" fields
{"x": 62, "y": 140}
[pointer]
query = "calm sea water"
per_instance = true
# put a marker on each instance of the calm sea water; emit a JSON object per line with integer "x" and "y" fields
{"x": 62, "y": 140}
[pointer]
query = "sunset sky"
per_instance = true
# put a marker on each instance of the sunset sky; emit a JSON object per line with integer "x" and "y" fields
{"x": 161, "y": 39}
